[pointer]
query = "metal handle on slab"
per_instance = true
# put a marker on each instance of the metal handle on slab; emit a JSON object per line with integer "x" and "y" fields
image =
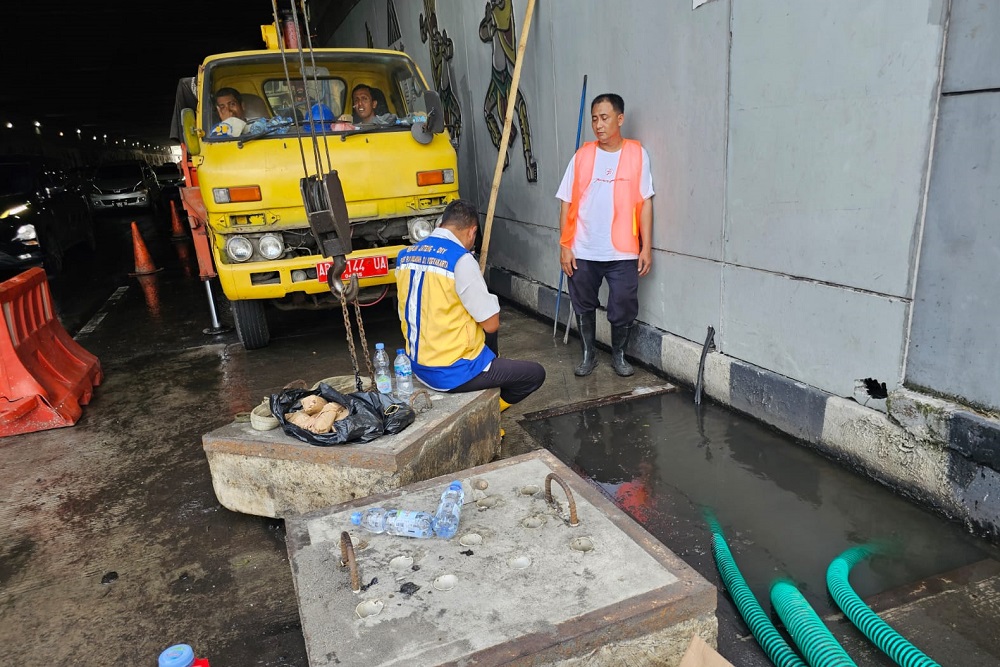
{"x": 347, "y": 560}
{"x": 573, "y": 519}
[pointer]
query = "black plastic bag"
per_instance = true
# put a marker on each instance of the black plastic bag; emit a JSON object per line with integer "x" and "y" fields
{"x": 370, "y": 414}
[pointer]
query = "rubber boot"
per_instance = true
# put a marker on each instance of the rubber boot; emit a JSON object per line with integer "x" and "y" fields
{"x": 587, "y": 324}
{"x": 503, "y": 405}
{"x": 619, "y": 341}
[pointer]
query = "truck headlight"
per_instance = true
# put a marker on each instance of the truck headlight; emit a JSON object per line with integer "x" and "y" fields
{"x": 239, "y": 248}
{"x": 271, "y": 246}
{"x": 420, "y": 228}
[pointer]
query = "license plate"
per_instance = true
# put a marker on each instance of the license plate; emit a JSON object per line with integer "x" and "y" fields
{"x": 363, "y": 267}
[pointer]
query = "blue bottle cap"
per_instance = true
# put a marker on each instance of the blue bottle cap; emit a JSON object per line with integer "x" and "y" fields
{"x": 379, "y": 346}
{"x": 455, "y": 486}
{"x": 179, "y": 655}
{"x": 356, "y": 518}
{"x": 400, "y": 351}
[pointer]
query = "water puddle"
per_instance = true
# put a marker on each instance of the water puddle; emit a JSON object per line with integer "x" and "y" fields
{"x": 786, "y": 510}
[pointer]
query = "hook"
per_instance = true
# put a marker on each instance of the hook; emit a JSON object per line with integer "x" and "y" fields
{"x": 573, "y": 519}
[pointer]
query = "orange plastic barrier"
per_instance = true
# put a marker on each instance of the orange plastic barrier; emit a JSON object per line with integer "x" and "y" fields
{"x": 45, "y": 376}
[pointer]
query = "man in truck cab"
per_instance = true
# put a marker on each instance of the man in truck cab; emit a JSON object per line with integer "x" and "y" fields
{"x": 364, "y": 101}
{"x": 232, "y": 118}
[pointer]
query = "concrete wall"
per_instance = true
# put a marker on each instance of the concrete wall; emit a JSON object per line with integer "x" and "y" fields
{"x": 954, "y": 345}
{"x": 789, "y": 160}
{"x": 827, "y": 196}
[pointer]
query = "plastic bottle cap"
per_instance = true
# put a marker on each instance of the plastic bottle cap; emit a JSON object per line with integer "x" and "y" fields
{"x": 400, "y": 351}
{"x": 455, "y": 486}
{"x": 179, "y": 655}
{"x": 356, "y": 518}
{"x": 379, "y": 346}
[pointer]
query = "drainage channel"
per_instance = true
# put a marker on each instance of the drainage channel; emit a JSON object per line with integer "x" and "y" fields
{"x": 787, "y": 511}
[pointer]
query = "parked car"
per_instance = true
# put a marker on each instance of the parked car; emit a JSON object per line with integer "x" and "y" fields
{"x": 128, "y": 184}
{"x": 170, "y": 179}
{"x": 41, "y": 215}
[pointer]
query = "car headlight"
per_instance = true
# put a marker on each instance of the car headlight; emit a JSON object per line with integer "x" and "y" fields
{"x": 239, "y": 248}
{"x": 420, "y": 228}
{"x": 25, "y": 234}
{"x": 15, "y": 210}
{"x": 271, "y": 246}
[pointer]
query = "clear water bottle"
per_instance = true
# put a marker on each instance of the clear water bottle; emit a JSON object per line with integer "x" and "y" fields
{"x": 383, "y": 376}
{"x": 448, "y": 511}
{"x": 407, "y": 523}
{"x": 404, "y": 375}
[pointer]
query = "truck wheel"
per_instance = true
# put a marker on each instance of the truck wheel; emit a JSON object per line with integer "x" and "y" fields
{"x": 251, "y": 324}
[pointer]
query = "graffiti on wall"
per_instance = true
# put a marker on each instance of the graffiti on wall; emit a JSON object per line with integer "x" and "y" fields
{"x": 442, "y": 50}
{"x": 497, "y": 27}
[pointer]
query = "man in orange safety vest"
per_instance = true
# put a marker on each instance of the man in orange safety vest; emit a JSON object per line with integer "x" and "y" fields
{"x": 606, "y": 230}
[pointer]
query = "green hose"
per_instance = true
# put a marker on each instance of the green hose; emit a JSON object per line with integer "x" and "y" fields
{"x": 878, "y": 631}
{"x": 807, "y": 629}
{"x": 777, "y": 649}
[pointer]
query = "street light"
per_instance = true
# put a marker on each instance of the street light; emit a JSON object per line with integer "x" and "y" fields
{"x": 10, "y": 125}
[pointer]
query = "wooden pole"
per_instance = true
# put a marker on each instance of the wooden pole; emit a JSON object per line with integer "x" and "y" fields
{"x": 505, "y": 137}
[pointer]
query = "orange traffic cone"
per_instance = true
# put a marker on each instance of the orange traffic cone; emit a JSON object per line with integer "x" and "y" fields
{"x": 143, "y": 262}
{"x": 176, "y": 229}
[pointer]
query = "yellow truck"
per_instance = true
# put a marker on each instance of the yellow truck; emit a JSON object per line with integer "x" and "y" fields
{"x": 398, "y": 171}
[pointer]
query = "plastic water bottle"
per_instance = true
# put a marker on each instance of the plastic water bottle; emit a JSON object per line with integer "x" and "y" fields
{"x": 181, "y": 655}
{"x": 406, "y": 523}
{"x": 404, "y": 375}
{"x": 383, "y": 376}
{"x": 448, "y": 511}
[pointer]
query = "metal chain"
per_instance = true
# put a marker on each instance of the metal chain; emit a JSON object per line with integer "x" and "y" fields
{"x": 350, "y": 342}
{"x": 364, "y": 345}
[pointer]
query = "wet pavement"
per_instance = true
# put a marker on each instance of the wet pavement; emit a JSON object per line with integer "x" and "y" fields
{"x": 115, "y": 546}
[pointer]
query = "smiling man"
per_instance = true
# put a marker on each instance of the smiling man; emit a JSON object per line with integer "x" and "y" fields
{"x": 606, "y": 223}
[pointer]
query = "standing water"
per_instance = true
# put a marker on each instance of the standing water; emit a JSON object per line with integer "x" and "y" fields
{"x": 786, "y": 510}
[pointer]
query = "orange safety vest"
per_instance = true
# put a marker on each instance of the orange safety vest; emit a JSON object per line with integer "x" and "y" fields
{"x": 628, "y": 198}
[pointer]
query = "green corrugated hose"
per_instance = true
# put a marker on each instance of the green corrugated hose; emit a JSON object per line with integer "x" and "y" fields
{"x": 864, "y": 619}
{"x": 807, "y": 629}
{"x": 777, "y": 649}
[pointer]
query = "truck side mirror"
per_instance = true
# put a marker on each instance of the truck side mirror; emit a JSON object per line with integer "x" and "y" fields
{"x": 191, "y": 138}
{"x": 435, "y": 113}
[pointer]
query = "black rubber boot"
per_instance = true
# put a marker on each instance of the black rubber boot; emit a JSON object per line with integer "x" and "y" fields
{"x": 619, "y": 341}
{"x": 587, "y": 323}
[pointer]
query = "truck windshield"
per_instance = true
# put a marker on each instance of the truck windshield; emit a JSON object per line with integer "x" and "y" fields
{"x": 341, "y": 92}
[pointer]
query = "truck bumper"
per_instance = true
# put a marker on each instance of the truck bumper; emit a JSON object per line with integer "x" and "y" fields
{"x": 275, "y": 280}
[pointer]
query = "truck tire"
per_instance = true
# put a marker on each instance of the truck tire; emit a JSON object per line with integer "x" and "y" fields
{"x": 251, "y": 324}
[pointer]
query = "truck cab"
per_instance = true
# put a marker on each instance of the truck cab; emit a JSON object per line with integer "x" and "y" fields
{"x": 398, "y": 170}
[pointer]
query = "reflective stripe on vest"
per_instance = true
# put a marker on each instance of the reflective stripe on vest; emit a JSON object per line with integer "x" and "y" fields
{"x": 627, "y": 199}
{"x": 446, "y": 345}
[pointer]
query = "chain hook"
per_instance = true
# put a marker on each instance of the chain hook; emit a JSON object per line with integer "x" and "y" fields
{"x": 348, "y": 292}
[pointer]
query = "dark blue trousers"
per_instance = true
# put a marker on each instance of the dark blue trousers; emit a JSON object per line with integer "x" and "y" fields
{"x": 623, "y": 289}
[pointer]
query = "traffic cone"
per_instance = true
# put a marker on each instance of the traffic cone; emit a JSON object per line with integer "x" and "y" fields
{"x": 143, "y": 262}
{"x": 176, "y": 229}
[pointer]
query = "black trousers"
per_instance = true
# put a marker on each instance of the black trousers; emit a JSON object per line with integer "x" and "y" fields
{"x": 623, "y": 289}
{"x": 516, "y": 379}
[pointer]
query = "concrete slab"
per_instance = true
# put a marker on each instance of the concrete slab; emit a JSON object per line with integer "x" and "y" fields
{"x": 528, "y": 591}
{"x": 268, "y": 473}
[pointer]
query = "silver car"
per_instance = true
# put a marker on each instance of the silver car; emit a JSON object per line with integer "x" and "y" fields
{"x": 124, "y": 185}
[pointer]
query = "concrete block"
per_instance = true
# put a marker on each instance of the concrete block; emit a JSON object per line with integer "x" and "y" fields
{"x": 267, "y": 473}
{"x": 886, "y": 451}
{"x": 922, "y": 416}
{"x": 564, "y": 606}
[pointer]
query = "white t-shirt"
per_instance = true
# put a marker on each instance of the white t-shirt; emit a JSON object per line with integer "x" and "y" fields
{"x": 597, "y": 206}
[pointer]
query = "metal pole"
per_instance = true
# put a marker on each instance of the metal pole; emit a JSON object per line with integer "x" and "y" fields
{"x": 216, "y": 328}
